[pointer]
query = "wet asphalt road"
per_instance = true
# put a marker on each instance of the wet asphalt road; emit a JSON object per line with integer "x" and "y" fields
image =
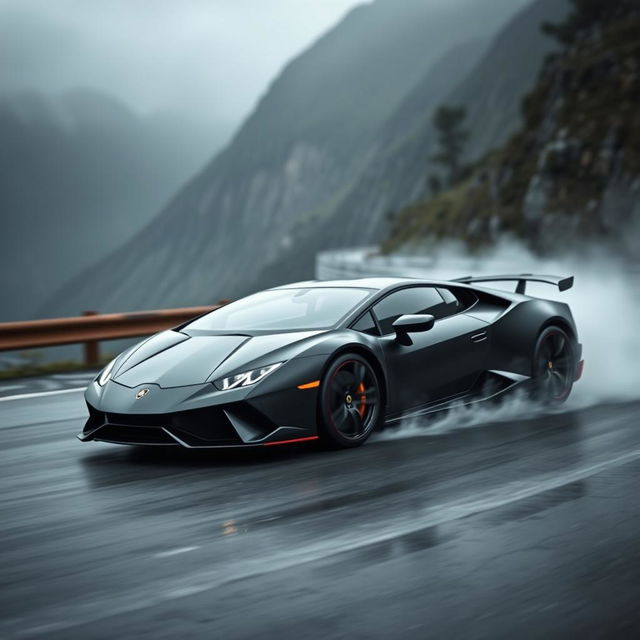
{"x": 526, "y": 528}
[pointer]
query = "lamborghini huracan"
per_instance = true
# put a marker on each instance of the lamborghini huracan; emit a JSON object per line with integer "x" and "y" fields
{"x": 335, "y": 361}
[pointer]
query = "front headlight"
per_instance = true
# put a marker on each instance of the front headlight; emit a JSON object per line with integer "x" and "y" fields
{"x": 246, "y": 378}
{"x": 106, "y": 373}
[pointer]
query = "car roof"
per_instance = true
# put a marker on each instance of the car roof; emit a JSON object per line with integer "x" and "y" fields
{"x": 375, "y": 283}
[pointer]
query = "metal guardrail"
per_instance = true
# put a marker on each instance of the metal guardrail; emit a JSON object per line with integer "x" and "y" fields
{"x": 91, "y": 328}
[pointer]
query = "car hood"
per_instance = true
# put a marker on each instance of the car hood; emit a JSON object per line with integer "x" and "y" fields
{"x": 174, "y": 359}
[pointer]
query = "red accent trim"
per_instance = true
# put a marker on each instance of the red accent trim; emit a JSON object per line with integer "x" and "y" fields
{"x": 579, "y": 370}
{"x": 270, "y": 444}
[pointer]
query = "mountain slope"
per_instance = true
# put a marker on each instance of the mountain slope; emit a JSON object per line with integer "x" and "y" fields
{"x": 491, "y": 93}
{"x": 572, "y": 172}
{"x": 78, "y": 175}
{"x": 305, "y": 144}
{"x": 396, "y": 173}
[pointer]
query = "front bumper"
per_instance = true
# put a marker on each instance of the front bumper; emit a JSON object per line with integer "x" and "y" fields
{"x": 200, "y": 416}
{"x": 237, "y": 425}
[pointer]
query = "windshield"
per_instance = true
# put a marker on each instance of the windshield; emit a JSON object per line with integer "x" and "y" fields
{"x": 283, "y": 310}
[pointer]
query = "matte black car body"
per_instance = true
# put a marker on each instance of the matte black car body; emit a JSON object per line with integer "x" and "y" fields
{"x": 161, "y": 390}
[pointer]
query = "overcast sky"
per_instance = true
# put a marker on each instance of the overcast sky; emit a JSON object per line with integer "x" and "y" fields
{"x": 210, "y": 57}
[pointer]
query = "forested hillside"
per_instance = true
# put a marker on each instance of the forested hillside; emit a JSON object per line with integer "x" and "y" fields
{"x": 572, "y": 171}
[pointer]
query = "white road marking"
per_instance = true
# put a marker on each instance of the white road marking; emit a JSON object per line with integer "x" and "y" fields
{"x": 82, "y": 613}
{"x": 174, "y": 552}
{"x": 40, "y": 394}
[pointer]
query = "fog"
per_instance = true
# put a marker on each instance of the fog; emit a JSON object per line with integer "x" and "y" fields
{"x": 208, "y": 58}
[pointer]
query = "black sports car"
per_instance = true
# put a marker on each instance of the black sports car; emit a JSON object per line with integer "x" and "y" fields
{"x": 334, "y": 361}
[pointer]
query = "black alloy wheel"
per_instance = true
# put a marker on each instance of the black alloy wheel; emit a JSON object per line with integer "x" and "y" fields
{"x": 350, "y": 402}
{"x": 553, "y": 366}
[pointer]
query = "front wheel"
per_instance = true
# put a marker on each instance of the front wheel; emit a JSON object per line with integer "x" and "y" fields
{"x": 553, "y": 366}
{"x": 350, "y": 402}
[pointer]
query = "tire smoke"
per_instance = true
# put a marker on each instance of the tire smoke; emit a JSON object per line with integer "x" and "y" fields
{"x": 605, "y": 302}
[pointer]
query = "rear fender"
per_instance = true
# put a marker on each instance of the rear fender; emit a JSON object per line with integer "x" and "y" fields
{"x": 514, "y": 334}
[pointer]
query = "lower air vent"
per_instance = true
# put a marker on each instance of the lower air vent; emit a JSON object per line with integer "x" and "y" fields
{"x": 198, "y": 427}
{"x": 139, "y": 420}
{"x": 133, "y": 435}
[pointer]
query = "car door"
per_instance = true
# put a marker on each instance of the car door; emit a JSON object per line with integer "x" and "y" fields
{"x": 439, "y": 363}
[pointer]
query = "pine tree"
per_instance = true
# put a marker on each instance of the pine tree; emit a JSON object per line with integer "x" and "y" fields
{"x": 447, "y": 121}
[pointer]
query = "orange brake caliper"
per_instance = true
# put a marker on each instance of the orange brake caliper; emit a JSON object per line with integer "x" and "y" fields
{"x": 363, "y": 400}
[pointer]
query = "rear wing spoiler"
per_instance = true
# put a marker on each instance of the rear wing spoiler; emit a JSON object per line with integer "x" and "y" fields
{"x": 563, "y": 283}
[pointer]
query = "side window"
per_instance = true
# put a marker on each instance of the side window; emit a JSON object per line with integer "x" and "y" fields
{"x": 366, "y": 324}
{"x": 457, "y": 300}
{"x": 413, "y": 300}
{"x": 451, "y": 303}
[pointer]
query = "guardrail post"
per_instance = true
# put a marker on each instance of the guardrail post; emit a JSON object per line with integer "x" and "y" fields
{"x": 91, "y": 348}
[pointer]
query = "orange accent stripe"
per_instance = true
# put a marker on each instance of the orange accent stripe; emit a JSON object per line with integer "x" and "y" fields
{"x": 309, "y": 385}
{"x": 270, "y": 444}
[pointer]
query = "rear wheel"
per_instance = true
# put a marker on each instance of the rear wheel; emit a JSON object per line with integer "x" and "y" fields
{"x": 553, "y": 366}
{"x": 350, "y": 402}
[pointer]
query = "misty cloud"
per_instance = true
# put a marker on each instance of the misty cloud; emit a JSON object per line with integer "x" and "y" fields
{"x": 210, "y": 58}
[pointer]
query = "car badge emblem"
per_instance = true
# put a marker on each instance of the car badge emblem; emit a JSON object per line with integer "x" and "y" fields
{"x": 142, "y": 393}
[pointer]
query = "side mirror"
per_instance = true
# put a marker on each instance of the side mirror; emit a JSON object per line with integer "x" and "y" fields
{"x": 405, "y": 325}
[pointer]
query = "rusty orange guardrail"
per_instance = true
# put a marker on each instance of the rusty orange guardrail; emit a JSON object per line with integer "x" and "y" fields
{"x": 91, "y": 328}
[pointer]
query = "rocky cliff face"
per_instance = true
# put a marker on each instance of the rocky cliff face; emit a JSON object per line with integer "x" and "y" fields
{"x": 490, "y": 81}
{"x": 306, "y": 144}
{"x": 572, "y": 172}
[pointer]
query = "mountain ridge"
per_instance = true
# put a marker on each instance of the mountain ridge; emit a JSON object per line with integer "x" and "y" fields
{"x": 397, "y": 176}
{"x": 306, "y": 142}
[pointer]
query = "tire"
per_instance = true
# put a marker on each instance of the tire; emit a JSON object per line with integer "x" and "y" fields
{"x": 553, "y": 366}
{"x": 350, "y": 402}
